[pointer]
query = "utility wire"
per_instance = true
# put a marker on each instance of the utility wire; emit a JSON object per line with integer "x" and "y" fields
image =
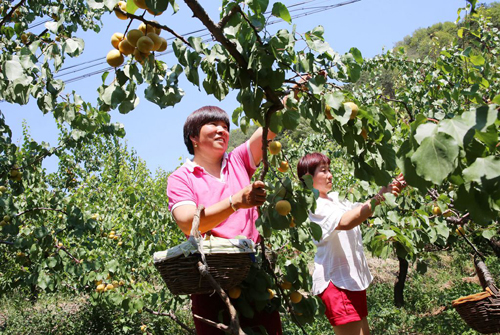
{"x": 186, "y": 34}
{"x": 38, "y": 24}
{"x": 310, "y": 11}
{"x": 316, "y": 10}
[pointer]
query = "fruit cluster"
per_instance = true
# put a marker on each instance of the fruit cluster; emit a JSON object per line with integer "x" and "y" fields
{"x": 138, "y": 42}
{"x": 283, "y": 207}
{"x": 15, "y": 173}
{"x": 104, "y": 287}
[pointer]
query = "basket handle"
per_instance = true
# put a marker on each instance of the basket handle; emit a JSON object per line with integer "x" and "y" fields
{"x": 484, "y": 275}
{"x": 195, "y": 232}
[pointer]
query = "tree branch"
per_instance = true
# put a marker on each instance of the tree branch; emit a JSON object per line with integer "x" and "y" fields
{"x": 251, "y": 25}
{"x": 41, "y": 209}
{"x": 271, "y": 272}
{"x": 265, "y": 132}
{"x": 220, "y": 326}
{"x": 6, "y": 242}
{"x": 271, "y": 95}
{"x": 401, "y": 102}
{"x": 201, "y": 14}
{"x": 222, "y": 23}
{"x": 234, "y": 325}
{"x": 63, "y": 248}
{"x": 171, "y": 315}
{"x": 218, "y": 34}
{"x": 9, "y": 14}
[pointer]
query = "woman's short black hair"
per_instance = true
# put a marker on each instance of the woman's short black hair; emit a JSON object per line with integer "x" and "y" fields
{"x": 198, "y": 119}
{"x": 309, "y": 163}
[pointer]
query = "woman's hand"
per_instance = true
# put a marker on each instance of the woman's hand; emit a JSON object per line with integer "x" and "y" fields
{"x": 250, "y": 196}
{"x": 395, "y": 188}
{"x": 399, "y": 183}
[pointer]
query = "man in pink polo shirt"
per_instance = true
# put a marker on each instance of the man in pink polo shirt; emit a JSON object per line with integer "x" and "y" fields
{"x": 220, "y": 182}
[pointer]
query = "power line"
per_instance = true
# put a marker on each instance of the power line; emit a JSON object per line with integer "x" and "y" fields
{"x": 186, "y": 34}
{"x": 309, "y": 11}
{"x": 38, "y": 24}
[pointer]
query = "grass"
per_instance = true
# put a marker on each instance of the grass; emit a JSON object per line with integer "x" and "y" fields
{"x": 427, "y": 307}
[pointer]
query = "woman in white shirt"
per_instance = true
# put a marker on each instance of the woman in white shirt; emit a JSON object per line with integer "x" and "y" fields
{"x": 341, "y": 274}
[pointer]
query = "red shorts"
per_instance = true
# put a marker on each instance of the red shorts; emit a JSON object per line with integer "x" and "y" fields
{"x": 212, "y": 307}
{"x": 344, "y": 306}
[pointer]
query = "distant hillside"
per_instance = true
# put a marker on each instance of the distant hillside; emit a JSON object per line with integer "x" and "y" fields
{"x": 429, "y": 41}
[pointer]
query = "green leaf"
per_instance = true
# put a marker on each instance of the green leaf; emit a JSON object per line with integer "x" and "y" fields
{"x": 12, "y": 70}
{"x": 111, "y": 266}
{"x": 334, "y": 99}
{"x": 127, "y": 105}
{"x": 77, "y": 134}
{"x": 316, "y": 231}
{"x": 52, "y": 262}
{"x": 113, "y": 95}
{"x": 52, "y": 26}
{"x": 354, "y": 71}
{"x": 487, "y": 168}
{"x": 436, "y": 157}
{"x": 316, "y": 84}
{"x": 96, "y": 4}
{"x": 496, "y": 99}
{"x": 480, "y": 118}
{"x": 357, "y": 55}
{"x": 291, "y": 119}
{"x": 281, "y": 11}
{"x": 131, "y": 7}
{"x": 157, "y": 6}
{"x": 73, "y": 46}
{"x": 456, "y": 128}
{"x": 489, "y": 137}
{"x": 308, "y": 181}
{"x": 387, "y": 233}
{"x": 489, "y": 233}
{"x": 443, "y": 230}
{"x": 197, "y": 44}
{"x": 425, "y": 130}
{"x": 389, "y": 114}
{"x": 258, "y": 6}
{"x": 43, "y": 280}
{"x": 388, "y": 154}
{"x": 473, "y": 5}
{"x": 477, "y": 60}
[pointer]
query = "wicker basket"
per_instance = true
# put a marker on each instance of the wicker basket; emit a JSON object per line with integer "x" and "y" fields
{"x": 181, "y": 274}
{"x": 481, "y": 311}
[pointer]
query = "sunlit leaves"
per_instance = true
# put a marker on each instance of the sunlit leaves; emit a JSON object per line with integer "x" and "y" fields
{"x": 483, "y": 170}
{"x": 436, "y": 157}
{"x": 12, "y": 70}
{"x": 456, "y": 128}
{"x": 73, "y": 46}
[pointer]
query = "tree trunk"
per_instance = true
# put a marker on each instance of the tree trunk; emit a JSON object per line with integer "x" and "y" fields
{"x": 399, "y": 285}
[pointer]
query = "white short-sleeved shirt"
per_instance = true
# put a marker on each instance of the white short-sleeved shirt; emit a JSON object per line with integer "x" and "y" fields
{"x": 340, "y": 258}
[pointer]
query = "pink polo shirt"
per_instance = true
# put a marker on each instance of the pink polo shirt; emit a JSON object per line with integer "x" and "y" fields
{"x": 191, "y": 185}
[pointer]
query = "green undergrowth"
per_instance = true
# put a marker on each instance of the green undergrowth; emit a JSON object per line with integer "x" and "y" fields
{"x": 427, "y": 307}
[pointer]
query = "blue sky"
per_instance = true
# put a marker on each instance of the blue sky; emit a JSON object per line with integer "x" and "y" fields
{"x": 156, "y": 134}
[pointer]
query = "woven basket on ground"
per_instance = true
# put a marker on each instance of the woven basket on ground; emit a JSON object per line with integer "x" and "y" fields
{"x": 481, "y": 311}
{"x": 181, "y": 274}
